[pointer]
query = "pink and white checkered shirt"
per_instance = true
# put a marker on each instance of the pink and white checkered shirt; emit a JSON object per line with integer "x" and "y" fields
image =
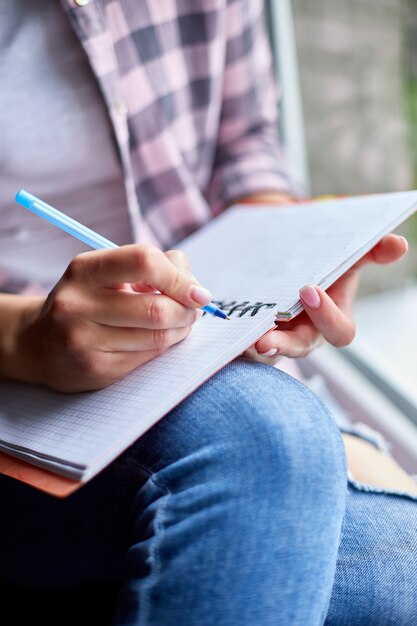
{"x": 189, "y": 88}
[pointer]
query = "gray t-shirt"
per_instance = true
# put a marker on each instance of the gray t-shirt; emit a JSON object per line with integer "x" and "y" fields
{"x": 55, "y": 141}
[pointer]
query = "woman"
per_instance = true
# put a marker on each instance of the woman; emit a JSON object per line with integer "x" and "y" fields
{"x": 230, "y": 510}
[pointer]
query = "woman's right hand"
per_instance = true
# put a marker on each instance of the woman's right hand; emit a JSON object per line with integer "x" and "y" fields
{"x": 105, "y": 317}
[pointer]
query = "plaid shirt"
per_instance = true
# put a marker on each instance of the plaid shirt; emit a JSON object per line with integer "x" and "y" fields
{"x": 189, "y": 89}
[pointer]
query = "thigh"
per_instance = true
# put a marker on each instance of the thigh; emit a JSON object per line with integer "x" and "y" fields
{"x": 253, "y": 491}
{"x": 244, "y": 452}
{"x": 82, "y": 539}
{"x": 376, "y": 573}
{"x": 246, "y": 413}
{"x": 77, "y": 541}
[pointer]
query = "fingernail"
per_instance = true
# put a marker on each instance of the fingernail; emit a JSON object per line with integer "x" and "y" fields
{"x": 405, "y": 242}
{"x": 310, "y": 296}
{"x": 201, "y": 295}
{"x": 270, "y": 352}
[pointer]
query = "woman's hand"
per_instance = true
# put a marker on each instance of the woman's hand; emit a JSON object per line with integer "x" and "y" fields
{"x": 105, "y": 317}
{"x": 327, "y": 315}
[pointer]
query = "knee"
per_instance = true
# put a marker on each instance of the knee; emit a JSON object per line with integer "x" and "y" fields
{"x": 265, "y": 423}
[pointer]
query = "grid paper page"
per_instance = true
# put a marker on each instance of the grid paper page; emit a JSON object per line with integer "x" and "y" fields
{"x": 89, "y": 429}
{"x": 245, "y": 257}
{"x": 279, "y": 250}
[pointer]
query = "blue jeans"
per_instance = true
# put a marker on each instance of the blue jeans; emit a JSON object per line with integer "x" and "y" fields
{"x": 227, "y": 513}
{"x": 376, "y": 574}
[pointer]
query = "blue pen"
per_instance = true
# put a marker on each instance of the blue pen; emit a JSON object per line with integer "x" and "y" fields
{"x": 74, "y": 228}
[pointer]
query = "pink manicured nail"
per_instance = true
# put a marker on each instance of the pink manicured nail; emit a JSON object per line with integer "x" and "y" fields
{"x": 310, "y": 296}
{"x": 201, "y": 295}
{"x": 270, "y": 352}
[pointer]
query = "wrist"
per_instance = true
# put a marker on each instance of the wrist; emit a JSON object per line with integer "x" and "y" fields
{"x": 18, "y": 314}
{"x": 267, "y": 197}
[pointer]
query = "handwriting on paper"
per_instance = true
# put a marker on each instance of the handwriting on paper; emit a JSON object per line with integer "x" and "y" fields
{"x": 239, "y": 309}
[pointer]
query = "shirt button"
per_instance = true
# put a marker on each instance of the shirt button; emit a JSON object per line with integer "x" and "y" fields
{"x": 82, "y": 3}
{"x": 121, "y": 107}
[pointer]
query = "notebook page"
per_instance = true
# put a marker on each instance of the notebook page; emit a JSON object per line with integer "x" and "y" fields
{"x": 279, "y": 250}
{"x": 86, "y": 430}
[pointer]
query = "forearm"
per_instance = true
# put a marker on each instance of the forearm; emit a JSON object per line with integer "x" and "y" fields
{"x": 15, "y": 311}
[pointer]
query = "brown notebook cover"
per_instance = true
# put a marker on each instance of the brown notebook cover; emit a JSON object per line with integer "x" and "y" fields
{"x": 42, "y": 479}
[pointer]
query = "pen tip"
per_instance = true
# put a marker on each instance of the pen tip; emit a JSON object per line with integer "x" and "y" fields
{"x": 227, "y": 317}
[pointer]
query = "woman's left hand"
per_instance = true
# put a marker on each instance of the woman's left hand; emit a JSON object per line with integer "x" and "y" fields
{"x": 327, "y": 316}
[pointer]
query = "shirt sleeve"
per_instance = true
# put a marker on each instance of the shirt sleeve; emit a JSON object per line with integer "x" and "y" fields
{"x": 249, "y": 155}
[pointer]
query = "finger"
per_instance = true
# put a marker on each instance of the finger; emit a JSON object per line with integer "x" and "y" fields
{"x": 297, "y": 342}
{"x": 251, "y": 354}
{"x": 110, "y": 339}
{"x": 336, "y": 327}
{"x": 149, "y": 311}
{"x": 179, "y": 259}
{"x": 143, "y": 288}
{"x": 119, "y": 364}
{"x": 139, "y": 264}
{"x": 389, "y": 250}
{"x": 343, "y": 292}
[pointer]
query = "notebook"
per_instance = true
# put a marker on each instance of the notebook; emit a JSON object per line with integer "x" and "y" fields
{"x": 254, "y": 260}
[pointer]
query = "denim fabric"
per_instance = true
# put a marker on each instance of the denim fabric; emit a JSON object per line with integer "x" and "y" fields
{"x": 376, "y": 574}
{"x": 227, "y": 513}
